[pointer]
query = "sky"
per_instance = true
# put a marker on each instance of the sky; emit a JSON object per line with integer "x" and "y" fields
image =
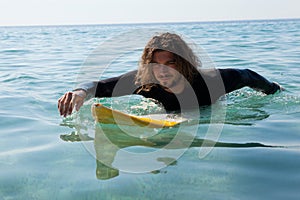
{"x": 70, "y": 12}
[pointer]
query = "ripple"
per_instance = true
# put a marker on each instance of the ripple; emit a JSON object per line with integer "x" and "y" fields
{"x": 25, "y": 150}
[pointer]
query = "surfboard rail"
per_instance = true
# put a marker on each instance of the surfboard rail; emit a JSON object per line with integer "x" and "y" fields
{"x": 107, "y": 115}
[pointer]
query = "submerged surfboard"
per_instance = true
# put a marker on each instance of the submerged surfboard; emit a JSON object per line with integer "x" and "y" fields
{"x": 107, "y": 115}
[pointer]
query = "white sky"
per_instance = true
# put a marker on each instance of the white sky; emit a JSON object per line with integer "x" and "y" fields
{"x": 62, "y": 12}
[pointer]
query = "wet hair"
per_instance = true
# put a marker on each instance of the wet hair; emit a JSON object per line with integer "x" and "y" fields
{"x": 185, "y": 59}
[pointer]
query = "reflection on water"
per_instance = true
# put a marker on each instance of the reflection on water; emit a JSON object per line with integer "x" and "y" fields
{"x": 109, "y": 140}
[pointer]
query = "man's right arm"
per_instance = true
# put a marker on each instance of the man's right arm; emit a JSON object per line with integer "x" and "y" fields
{"x": 117, "y": 86}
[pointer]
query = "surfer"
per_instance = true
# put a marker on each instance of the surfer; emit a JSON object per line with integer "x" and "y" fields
{"x": 170, "y": 73}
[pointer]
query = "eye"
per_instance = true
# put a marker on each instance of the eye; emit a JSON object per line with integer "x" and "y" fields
{"x": 153, "y": 63}
{"x": 171, "y": 63}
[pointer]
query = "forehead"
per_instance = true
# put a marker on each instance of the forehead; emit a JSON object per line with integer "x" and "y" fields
{"x": 161, "y": 56}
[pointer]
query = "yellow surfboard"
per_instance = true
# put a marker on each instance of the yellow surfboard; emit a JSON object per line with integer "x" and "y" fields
{"x": 107, "y": 115}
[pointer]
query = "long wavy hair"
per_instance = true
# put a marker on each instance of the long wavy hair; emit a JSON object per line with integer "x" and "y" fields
{"x": 185, "y": 59}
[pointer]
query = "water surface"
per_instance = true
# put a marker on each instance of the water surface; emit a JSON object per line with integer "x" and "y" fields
{"x": 255, "y": 157}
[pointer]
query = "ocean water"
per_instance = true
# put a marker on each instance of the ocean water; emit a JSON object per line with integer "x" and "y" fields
{"x": 254, "y": 152}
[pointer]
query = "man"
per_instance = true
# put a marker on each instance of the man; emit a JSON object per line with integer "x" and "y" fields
{"x": 168, "y": 72}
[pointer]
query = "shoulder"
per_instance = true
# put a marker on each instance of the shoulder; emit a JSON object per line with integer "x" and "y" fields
{"x": 130, "y": 74}
{"x": 209, "y": 72}
{"x": 207, "y": 75}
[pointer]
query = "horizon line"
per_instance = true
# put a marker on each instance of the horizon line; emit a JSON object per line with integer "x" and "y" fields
{"x": 149, "y": 23}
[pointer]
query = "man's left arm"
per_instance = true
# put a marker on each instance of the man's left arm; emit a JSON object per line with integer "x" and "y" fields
{"x": 237, "y": 78}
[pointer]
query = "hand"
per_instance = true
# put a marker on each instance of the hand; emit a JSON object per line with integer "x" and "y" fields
{"x": 69, "y": 100}
{"x": 280, "y": 87}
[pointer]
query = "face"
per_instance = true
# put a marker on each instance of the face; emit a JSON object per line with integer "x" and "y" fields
{"x": 164, "y": 70}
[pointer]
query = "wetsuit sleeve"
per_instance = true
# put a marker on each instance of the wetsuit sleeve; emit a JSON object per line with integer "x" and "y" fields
{"x": 116, "y": 86}
{"x": 237, "y": 78}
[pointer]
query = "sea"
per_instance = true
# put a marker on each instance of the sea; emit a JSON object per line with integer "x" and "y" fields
{"x": 245, "y": 146}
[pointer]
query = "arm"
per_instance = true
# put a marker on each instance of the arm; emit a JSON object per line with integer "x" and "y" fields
{"x": 117, "y": 86}
{"x": 237, "y": 78}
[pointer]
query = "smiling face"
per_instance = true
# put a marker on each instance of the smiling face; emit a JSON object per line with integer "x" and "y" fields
{"x": 164, "y": 71}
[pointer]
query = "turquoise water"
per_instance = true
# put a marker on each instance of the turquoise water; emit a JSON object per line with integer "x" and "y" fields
{"x": 257, "y": 154}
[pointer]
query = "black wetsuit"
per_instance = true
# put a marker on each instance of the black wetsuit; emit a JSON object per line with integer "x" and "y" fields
{"x": 206, "y": 88}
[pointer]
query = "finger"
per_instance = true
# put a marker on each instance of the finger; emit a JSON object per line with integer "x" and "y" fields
{"x": 68, "y": 104}
{"x": 71, "y": 105}
{"x": 79, "y": 104}
{"x": 65, "y": 103}
{"x": 61, "y": 104}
